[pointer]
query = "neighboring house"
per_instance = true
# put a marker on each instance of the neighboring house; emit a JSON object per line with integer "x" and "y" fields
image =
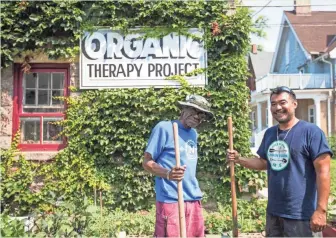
{"x": 259, "y": 64}
{"x": 305, "y": 61}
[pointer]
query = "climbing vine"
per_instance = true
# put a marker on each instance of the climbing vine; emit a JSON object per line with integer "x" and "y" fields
{"x": 107, "y": 130}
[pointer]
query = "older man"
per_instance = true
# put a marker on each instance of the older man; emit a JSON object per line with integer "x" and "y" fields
{"x": 159, "y": 159}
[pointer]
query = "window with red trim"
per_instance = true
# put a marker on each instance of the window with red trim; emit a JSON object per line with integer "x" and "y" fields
{"x": 38, "y": 106}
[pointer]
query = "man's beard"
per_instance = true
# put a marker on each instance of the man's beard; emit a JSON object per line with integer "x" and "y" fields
{"x": 192, "y": 123}
{"x": 287, "y": 118}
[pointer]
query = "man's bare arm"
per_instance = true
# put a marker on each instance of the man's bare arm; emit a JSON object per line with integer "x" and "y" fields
{"x": 176, "y": 173}
{"x": 255, "y": 163}
{"x": 151, "y": 166}
{"x": 322, "y": 168}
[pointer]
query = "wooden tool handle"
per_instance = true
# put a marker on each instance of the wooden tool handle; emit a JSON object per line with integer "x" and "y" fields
{"x": 233, "y": 183}
{"x": 183, "y": 232}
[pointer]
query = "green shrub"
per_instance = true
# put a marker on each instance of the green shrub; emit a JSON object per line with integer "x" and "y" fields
{"x": 11, "y": 227}
{"x": 251, "y": 217}
{"x": 82, "y": 219}
{"x": 333, "y": 177}
{"x": 107, "y": 130}
{"x": 109, "y": 224}
{"x": 64, "y": 220}
{"x": 17, "y": 174}
{"x": 332, "y": 143}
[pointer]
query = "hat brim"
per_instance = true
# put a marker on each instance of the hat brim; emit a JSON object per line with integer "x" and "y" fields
{"x": 209, "y": 114}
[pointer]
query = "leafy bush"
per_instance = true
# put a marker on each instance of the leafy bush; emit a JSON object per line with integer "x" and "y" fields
{"x": 11, "y": 227}
{"x": 107, "y": 130}
{"x": 251, "y": 217}
{"x": 66, "y": 219}
{"x": 109, "y": 224}
{"x": 17, "y": 177}
{"x": 332, "y": 143}
{"x": 333, "y": 177}
{"x": 70, "y": 219}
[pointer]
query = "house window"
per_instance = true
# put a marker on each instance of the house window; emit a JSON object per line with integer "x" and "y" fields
{"x": 287, "y": 52}
{"x": 253, "y": 120}
{"x": 266, "y": 113}
{"x": 311, "y": 114}
{"x": 38, "y": 106}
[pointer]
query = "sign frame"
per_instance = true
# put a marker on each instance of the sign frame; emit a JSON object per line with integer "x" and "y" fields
{"x": 199, "y": 80}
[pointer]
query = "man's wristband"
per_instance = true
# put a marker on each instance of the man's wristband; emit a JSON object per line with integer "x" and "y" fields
{"x": 167, "y": 174}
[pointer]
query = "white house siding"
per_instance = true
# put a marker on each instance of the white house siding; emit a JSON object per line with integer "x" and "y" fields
{"x": 254, "y": 110}
{"x": 263, "y": 114}
{"x": 324, "y": 116}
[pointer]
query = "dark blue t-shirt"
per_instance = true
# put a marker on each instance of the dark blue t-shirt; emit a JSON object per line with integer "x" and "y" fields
{"x": 291, "y": 174}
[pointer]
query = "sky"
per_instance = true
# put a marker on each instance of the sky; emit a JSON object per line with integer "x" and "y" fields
{"x": 274, "y": 16}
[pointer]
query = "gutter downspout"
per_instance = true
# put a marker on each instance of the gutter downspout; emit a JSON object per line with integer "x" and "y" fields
{"x": 331, "y": 125}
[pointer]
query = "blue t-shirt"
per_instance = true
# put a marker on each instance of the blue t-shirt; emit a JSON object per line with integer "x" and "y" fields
{"x": 161, "y": 147}
{"x": 291, "y": 174}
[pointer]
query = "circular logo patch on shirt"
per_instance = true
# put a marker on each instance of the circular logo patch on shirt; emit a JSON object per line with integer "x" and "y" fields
{"x": 278, "y": 155}
{"x": 191, "y": 149}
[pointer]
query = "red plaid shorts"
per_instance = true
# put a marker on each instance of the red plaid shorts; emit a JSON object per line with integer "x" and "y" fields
{"x": 167, "y": 219}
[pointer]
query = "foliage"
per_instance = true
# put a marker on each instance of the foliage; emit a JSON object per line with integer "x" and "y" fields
{"x": 101, "y": 146}
{"x": 66, "y": 219}
{"x": 70, "y": 219}
{"x": 332, "y": 209}
{"x": 108, "y": 224}
{"x": 107, "y": 130}
{"x": 332, "y": 143}
{"x": 17, "y": 177}
{"x": 251, "y": 217}
{"x": 11, "y": 227}
{"x": 30, "y": 25}
{"x": 333, "y": 176}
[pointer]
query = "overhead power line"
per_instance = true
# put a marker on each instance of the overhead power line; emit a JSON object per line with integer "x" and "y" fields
{"x": 302, "y": 25}
{"x": 262, "y": 8}
{"x": 305, "y": 5}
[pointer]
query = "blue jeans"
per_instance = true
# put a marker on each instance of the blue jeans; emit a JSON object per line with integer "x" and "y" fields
{"x": 285, "y": 227}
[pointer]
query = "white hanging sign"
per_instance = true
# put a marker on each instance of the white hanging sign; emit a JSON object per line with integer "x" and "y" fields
{"x": 111, "y": 60}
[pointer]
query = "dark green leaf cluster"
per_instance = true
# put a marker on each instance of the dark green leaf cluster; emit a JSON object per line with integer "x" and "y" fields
{"x": 50, "y": 26}
{"x": 11, "y": 227}
{"x": 107, "y": 130}
{"x": 18, "y": 183}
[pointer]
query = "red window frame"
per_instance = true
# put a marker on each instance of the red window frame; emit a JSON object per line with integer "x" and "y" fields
{"x": 18, "y": 104}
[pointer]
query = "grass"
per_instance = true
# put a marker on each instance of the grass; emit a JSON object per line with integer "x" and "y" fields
{"x": 333, "y": 176}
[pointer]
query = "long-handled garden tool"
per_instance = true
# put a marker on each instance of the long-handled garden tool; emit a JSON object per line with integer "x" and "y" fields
{"x": 182, "y": 221}
{"x": 233, "y": 183}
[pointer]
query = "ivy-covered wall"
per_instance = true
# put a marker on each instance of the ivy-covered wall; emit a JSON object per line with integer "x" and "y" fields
{"x": 107, "y": 130}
